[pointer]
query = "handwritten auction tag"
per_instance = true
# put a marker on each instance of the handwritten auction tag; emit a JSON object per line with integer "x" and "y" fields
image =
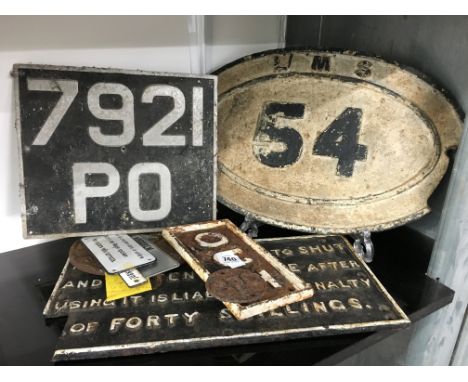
{"x": 117, "y": 253}
{"x": 229, "y": 259}
{"x": 132, "y": 277}
{"x": 116, "y": 288}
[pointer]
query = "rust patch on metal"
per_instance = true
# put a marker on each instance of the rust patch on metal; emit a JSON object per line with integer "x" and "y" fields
{"x": 237, "y": 285}
{"x": 330, "y": 142}
{"x": 82, "y": 259}
{"x": 156, "y": 281}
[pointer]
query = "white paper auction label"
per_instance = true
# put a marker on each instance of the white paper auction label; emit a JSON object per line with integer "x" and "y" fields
{"x": 117, "y": 253}
{"x": 229, "y": 259}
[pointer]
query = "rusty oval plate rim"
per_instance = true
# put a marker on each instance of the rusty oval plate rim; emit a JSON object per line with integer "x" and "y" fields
{"x": 448, "y": 95}
{"x": 441, "y": 151}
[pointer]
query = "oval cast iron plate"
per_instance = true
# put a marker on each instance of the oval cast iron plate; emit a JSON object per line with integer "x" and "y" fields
{"x": 330, "y": 142}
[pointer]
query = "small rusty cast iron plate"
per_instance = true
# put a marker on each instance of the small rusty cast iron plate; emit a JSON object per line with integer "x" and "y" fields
{"x": 200, "y": 244}
{"x": 180, "y": 315}
{"x": 330, "y": 142}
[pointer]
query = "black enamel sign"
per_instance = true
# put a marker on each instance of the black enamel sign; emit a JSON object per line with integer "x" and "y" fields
{"x": 107, "y": 150}
{"x": 179, "y": 314}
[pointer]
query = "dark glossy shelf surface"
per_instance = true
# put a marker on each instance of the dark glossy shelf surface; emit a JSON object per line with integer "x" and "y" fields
{"x": 29, "y": 274}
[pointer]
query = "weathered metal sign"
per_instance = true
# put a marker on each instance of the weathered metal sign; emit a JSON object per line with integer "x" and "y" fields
{"x": 236, "y": 270}
{"x": 181, "y": 315}
{"x": 330, "y": 142}
{"x": 106, "y": 150}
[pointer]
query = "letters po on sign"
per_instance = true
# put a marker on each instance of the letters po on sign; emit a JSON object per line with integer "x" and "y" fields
{"x": 106, "y": 150}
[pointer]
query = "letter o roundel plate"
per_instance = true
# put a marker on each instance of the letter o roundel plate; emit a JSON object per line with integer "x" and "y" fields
{"x": 330, "y": 142}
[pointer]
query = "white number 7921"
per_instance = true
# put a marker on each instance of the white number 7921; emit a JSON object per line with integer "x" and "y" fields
{"x": 153, "y": 137}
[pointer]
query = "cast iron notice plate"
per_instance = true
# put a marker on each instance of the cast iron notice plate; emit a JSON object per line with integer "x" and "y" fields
{"x": 330, "y": 142}
{"x": 105, "y": 150}
{"x": 180, "y": 315}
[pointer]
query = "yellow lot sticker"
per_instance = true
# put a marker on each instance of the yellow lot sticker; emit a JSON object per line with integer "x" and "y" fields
{"x": 116, "y": 288}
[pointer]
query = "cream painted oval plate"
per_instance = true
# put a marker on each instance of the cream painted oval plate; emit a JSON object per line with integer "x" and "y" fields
{"x": 330, "y": 142}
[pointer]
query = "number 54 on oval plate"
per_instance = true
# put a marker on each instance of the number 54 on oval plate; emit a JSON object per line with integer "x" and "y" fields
{"x": 330, "y": 142}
